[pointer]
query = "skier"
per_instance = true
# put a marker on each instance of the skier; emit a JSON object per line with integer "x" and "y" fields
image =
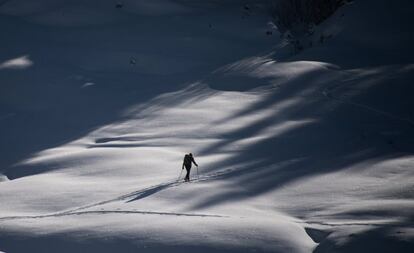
{"x": 188, "y": 160}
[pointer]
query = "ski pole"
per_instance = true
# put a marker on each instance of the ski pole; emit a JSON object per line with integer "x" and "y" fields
{"x": 198, "y": 177}
{"x": 180, "y": 175}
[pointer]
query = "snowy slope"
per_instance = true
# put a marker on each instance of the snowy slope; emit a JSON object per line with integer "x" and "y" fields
{"x": 298, "y": 153}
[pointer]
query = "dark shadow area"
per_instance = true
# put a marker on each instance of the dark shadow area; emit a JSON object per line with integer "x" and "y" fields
{"x": 150, "y": 191}
{"x": 384, "y": 239}
{"x": 317, "y": 235}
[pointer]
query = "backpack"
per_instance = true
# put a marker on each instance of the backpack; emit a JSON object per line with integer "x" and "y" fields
{"x": 187, "y": 160}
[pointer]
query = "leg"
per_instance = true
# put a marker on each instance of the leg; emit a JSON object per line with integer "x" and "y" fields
{"x": 187, "y": 176}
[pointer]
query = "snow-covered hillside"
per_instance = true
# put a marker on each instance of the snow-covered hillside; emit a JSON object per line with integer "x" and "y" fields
{"x": 297, "y": 152}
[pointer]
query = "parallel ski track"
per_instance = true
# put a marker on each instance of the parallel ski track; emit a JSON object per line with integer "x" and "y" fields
{"x": 128, "y": 197}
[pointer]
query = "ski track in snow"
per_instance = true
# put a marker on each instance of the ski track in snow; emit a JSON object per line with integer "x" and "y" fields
{"x": 111, "y": 212}
{"x": 136, "y": 195}
{"x": 140, "y": 194}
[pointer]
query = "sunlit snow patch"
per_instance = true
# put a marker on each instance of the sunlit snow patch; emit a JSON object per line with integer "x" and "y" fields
{"x": 3, "y": 178}
{"x": 22, "y": 62}
{"x": 88, "y": 84}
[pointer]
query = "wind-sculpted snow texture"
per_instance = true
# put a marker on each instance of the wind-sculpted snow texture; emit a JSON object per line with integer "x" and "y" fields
{"x": 305, "y": 152}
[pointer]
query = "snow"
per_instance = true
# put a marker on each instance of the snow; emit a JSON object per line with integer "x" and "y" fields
{"x": 311, "y": 152}
{"x": 17, "y": 63}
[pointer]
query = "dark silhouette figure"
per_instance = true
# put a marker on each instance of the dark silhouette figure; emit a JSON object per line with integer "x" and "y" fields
{"x": 188, "y": 160}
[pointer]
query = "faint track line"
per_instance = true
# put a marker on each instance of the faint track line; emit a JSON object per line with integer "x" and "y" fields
{"x": 112, "y": 212}
{"x": 329, "y": 95}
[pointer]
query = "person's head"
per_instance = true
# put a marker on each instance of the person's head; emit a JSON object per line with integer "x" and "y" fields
{"x": 190, "y": 154}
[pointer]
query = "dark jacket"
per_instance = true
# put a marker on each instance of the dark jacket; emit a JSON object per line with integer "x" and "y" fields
{"x": 188, "y": 160}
